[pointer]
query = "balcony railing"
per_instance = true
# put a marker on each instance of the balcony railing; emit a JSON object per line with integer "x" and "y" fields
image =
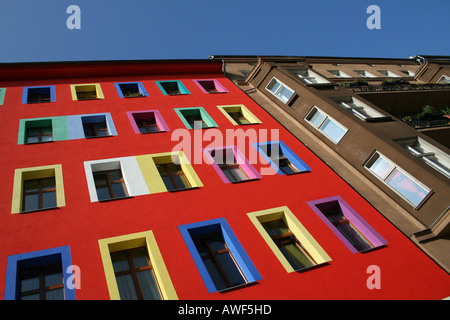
{"x": 361, "y": 86}
{"x": 424, "y": 124}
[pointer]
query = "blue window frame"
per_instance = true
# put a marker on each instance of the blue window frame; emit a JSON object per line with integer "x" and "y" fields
{"x": 239, "y": 272}
{"x": 172, "y": 87}
{"x": 38, "y": 94}
{"x": 17, "y": 263}
{"x": 281, "y": 157}
{"x": 130, "y": 89}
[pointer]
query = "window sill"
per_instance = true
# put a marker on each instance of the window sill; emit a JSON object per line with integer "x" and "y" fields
{"x": 183, "y": 189}
{"x": 38, "y": 210}
{"x": 95, "y": 137}
{"x": 113, "y": 199}
{"x": 247, "y": 180}
{"x": 38, "y": 142}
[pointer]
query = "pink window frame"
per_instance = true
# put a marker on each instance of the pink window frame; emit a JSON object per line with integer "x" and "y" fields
{"x": 251, "y": 172}
{"x": 217, "y": 84}
{"x": 158, "y": 118}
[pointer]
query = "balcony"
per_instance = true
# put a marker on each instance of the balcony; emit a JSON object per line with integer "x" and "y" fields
{"x": 396, "y": 85}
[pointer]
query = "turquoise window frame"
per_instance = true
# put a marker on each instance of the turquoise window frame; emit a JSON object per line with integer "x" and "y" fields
{"x": 60, "y": 129}
{"x": 237, "y": 250}
{"x": 33, "y": 259}
{"x": 205, "y": 117}
{"x": 139, "y": 84}
{"x": 181, "y": 87}
{"x": 2, "y": 95}
{"x": 290, "y": 155}
{"x": 25, "y": 93}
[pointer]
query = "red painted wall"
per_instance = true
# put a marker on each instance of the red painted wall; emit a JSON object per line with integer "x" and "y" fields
{"x": 406, "y": 272}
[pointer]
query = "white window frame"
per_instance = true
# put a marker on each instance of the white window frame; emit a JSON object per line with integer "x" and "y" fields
{"x": 368, "y": 164}
{"x": 311, "y": 77}
{"x": 339, "y": 74}
{"x": 408, "y": 72}
{"x": 278, "y": 90}
{"x": 318, "y": 127}
{"x": 355, "y": 106}
{"x": 364, "y": 74}
{"x": 426, "y": 155}
{"x": 389, "y": 73}
{"x": 444, "y": 79}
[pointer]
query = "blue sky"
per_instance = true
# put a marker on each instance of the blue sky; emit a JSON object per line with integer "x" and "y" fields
{"x": 35, "y": 30}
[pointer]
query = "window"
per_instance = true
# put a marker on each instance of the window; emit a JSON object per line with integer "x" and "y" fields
{"x": 398, "y": 180}
{"x": 428, "y": 153}
{"x": 39, "y": 131}
{"x": 195, "y": 118}
{"x": 170, "y": 88}
{"x": 39, "y": 194}
{"x": 238, "y": 115}
{"x": 279, "y": 90}
{"x": 110, "y": 184}
{"x": 173, "y": 176}
{"x": 38, "y": 188}
{"x": 134, "y": 268}
{"x": 218, "y": 255}
{"x": 339, "y": 74}
{"x": 347, "y": 224}
{"x": 408, "y": 73}
{"x": 2, "y": 95}
{"x": 309, "y": 77}
{"x": 388, "y": 73}
{"x": 288, "y": 239}
{"x": 210, "y": 86}
{"x": 95, "y": 126}
{"x": 325, "y": 124}
{"x": 39, "y": 275}
{"x": 231, "y": 164}
{"x": 130, "y": 89}
{"x": 38, "y": 94}
{"x": 364, "y": 74}
{"x": 117, "y": 178}
{"x": 444, "y": 79}
{"x": 148, "y": 121}
{"x": 90, "y": 91}
{"x": 359, "y": 109}
{"x": 281, "y": 158}
{"x": 169, "y": 171}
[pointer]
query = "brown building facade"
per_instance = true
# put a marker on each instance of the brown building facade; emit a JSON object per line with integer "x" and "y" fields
{"x": 382, "y": 124}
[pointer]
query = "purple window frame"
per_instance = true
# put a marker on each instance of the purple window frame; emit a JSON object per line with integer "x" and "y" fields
{"x": 363, "y": 227}
{"x": 251, "y": 172}
{"x": 217, "y": 84}
{"x": 158, "y": 118}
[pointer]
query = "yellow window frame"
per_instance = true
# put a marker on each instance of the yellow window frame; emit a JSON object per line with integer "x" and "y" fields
{"x": 74, "y": 87}
{"x": 252, "y": 119}
{"x": 131, "y": 241}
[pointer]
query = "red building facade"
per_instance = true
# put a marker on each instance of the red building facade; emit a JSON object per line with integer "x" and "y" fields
{"x": 107, "y": 187}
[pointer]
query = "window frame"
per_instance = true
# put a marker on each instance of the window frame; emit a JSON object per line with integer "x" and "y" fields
{"x": 354, "y": 218}
{"x": 20, "y": 175}
{"x": 2, "y": 95}
{"x": 37, "y": 258}
{"x": 394, "y": 167}
{"x": 217, "y": 85}
{"x": 277, "y": 91}
{"x": 243, "y": 261}
{"x": 311, "y": 75}
{"x": 246, "y": 113}
{"x": 162, "y": 125}
{"x": 298, "y": 230}
{"x": 129, "y": 241}
{"x": 98, "y": 91}
{"x": 292, "y": 157}
{"x": 109, "y": 184}
{"x": 206, "y": 118}
{"x": 359, "y": 105}
{"x": 181, "y": 87}
{"x": 240, "y": 159}
{"x": 140, "y": 87}
{"x": 311, "y": 113}
{"x": 52, "y": 94}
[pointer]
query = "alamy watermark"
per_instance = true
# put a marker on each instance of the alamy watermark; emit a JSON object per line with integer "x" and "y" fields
{"x": 374, "y": 20}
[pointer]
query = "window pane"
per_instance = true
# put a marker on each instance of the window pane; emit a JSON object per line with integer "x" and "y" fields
{"x": 297, "y": 258}
{"x": 53, "y": 276}
{"x": 48, "y": 183}
{"x": 357, "y": 240}
{"x": 285, "y": 94}
{"x": 333, "y": 130}
{"x": 381, "y": 167}
{"x": 215, "y": 274}
{"x": 406, "y": 187}
{"x": 103, "y": 193}
{"x": 119, "y": 261}
{"x": 31, "y": 202}
{"x": 231, "y": 270}
{"x": 29, "y": 282}
{"x": 140, "y": 257}
{"x": 127, "y": 289}
{"x": 148, "y": 284}
{"x": 287, "y": 167}
{"x": 49, "y": 199}
{"x": 31, "y": 185}
{"x": 238, "y": 173}
{"x": 317, "y": 118}
{"x": 119, "y": 190}
{"x": 56, "y": 294}
{"x": 34, "y": 296}
{"x": 273, "y": 86}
